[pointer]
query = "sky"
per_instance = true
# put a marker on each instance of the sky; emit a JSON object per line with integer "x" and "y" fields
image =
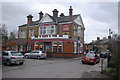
{"x": 98, "y": 17}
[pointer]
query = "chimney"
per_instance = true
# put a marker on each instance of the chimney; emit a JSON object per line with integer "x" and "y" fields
{"x": 29, "y": 21}
{"x": 98, "y": 38}
{"x": 55, "y": 13}
{"x": 40, "y": 15}
{"x": 70, "y": 13}
{"x": 109, "y": 37}
{"x": 62, "y": 14}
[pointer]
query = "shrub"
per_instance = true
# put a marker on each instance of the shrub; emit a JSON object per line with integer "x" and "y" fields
{"x": 112, "y": 63}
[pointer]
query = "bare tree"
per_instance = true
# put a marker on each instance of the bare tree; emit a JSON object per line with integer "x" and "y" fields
{"x": 4, "y": 33}
{"x": 13, "y": 35}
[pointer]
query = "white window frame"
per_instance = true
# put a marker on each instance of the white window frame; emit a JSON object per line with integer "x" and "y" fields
{"x": 61, "y": 45}
{"x": 31, "y": 33}
{"x": 22, "y": 33}
{"x": 48, "y": 30}
{"x": 75, "y": 47}
{"x": 54, "y": 44}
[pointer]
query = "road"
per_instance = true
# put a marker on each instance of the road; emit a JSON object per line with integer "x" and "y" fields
{"x": 50, "y": 68}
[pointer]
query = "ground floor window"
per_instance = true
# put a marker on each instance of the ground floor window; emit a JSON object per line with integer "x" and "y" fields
{"x": 36, "y": 46}
{"x": 24, "y": 48}
{"x": 29, "y": 47}
{"x": 54, "y": 48}
{"x": 14, "y": 47}
{"x": 21, "y": 47}
{"x": 41, "y": 46}
{"x": 8, "y": 48}
{"x": 60, "y": 46}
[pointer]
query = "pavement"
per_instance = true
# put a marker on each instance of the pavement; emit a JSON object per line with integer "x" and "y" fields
{"x": 95, "y": 71}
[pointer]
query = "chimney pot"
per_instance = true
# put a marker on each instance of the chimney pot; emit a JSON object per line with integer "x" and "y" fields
{"x": 98, "y": 38}
{"x": 29, "y": 21}
{"x": 109, "y": 37}
{"x": 40, "y": 15}
{"x": 70, "y": 13}
{"x": 62, "y": 14}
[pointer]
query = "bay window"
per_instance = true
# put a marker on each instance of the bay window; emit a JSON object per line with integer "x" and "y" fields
{"x": 22, "y": 33}
{"x": 47, "y": 30}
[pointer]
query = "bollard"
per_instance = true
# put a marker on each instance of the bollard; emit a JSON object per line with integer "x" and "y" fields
{"x": 101, "y": 65}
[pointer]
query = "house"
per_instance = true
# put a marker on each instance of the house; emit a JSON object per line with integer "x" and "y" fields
{"x": 59, "y": 35}
{"x": 100, "y": 44}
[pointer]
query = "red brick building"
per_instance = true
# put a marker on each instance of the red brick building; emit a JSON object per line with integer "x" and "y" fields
{"x": 59, "y": 35}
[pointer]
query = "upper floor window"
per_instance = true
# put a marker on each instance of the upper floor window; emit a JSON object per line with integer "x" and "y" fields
{"x": 31, "y": 33}
{"x": 22, "y": 33}
{"x": 47, "y": 30}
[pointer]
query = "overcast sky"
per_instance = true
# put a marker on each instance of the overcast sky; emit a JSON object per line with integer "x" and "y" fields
{"x": 97, "y": 17}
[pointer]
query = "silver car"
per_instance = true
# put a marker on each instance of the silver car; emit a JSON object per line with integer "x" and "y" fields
{"x": 12, "y": 57}
{"x": 36, "y": 54}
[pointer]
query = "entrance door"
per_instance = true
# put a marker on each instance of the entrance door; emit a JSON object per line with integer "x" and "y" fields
{"x": 47, "y": 48}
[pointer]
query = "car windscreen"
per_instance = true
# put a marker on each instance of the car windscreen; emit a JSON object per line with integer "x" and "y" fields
{"x": 104, "y": 52}
{"x": 43, "y": 51}
{"x": 35, "y": 52}
{"x": 89, "y": 55}
{"x": 16, "y": 54}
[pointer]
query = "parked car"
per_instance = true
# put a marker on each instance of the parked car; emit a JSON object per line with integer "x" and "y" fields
{"x": 90, "y": 58}
{"x": 105, "y": 54}
{"x": 12, "y": 57}
{"x": 36, "y": 54}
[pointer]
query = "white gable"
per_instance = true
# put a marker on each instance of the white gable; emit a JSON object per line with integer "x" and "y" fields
{"x": 46, "y": 18}
{"x": 78, "y": 20}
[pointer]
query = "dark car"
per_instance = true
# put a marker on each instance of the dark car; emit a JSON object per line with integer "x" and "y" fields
{"x": 105, "y": 54}
{"x": 90, "y": 58}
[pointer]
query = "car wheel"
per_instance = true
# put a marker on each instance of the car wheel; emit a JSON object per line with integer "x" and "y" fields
{"x": 83, "y": 62}
{"x": 26, "y": 57}
{"x": 8, "y": 63}
{"x": 21, "y": 63}
{"x": 38, "y": 57}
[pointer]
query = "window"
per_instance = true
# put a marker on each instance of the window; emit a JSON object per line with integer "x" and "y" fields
{"x": 47, "y": 30}
{"x": 41, "y": 46}
{"x": 52, "y": 30}
{"x": 21, "y": 47}
{"x": 5, "y": 53}
{"x": 29, "y": 47}
{"x": 16, "y": 54}
{"x": 36, "y": 46}
{"x": 24, "y": 48}
{"x": 60, "y": 46}
{"x": 75, "y": 44}
{"x": 54, "y": 46}
{"x": 22, "y": 33}
{"x": 31, "y": 33}
{"x": 14, "y": 48}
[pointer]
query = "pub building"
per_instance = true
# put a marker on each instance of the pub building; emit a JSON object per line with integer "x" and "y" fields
{"x": 59, "y": 36}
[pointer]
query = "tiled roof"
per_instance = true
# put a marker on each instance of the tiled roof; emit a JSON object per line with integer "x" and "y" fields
{"x": 59, "y": 20}
{"x": 103, "y": 41}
